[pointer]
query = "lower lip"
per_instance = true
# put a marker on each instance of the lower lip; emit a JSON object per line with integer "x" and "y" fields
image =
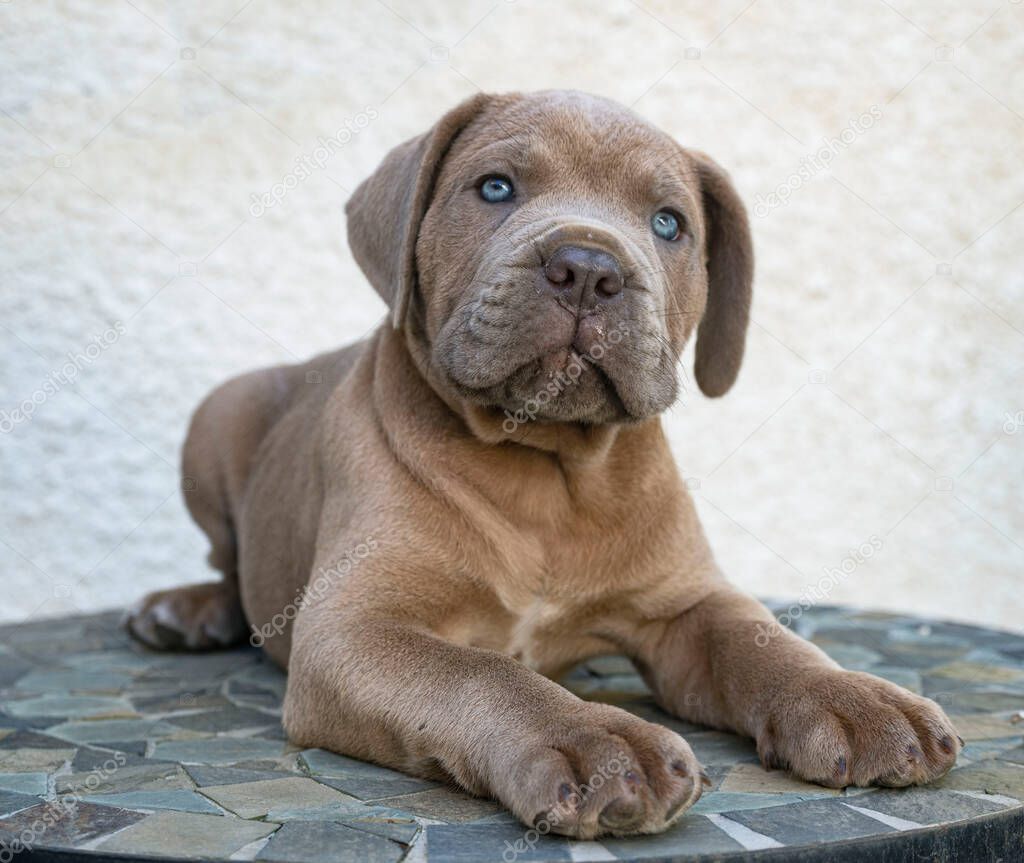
{"x": 560, "y": 360}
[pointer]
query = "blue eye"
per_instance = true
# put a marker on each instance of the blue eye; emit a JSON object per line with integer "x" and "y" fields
{"x": 666, "y": 225}
{"x": 495, "y": 190}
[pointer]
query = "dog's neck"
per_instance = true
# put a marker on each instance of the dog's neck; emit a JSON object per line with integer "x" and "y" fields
{"x": 544, "y": 480}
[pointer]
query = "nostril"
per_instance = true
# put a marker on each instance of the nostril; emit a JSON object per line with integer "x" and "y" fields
{"x": 608, "y": 286}
{"x": 558, "y": 272}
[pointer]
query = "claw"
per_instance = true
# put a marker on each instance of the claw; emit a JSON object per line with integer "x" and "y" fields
{"x": 564, "y": 792}
{"x": 674, "y": 811}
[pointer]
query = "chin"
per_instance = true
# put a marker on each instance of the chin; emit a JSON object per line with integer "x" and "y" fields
{"x": 536, "y": 393}
{"x": 560, "y": 387}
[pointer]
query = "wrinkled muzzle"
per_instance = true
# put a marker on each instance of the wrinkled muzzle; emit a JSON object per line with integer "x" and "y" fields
{"x": 564, "y": 321}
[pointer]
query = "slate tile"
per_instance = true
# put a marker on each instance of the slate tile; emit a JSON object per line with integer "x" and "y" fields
{"x": 369, "y": 788}
{"x": 998, "y": 747}
{"x": 229, "y": 718}
{"x": 718, "y": 747}
{"x": 927, "y": 805}
{"x": 53, "y": 650}
{"x": 71, "y": 706}
{"x": 323, "y": 842}
{"x": 984, "y": 726}
{"x": 802, "y": 822}
{"x": 256, "y": 799}
{"x": 217, "y": 750}
{"x": 32, "y": 759}
{"x": 66, "y": 827}
{"x": 111, "y": 730}
{"x": 263, "y": 675}
{"x": 692, "y": 834}
{"x": 12, "y": 669}
{"x": 286, "y": 763}
{"x": 73, "y": 680}
{"x": 24, "y": 739}
{"x": 48, "y": 629}
{"x": 12, "y": 801}
{"x": 24, "y": 723}
{"x": 129, "y": 659}
{"x": 1013, "y": 650}
{"x": 360, "y": 778}
{"x": 248, "y": 694}
{"x": 753, "y": 778}
{"x": 922, "y": 656}
{"x": 905, "y": 677}
{"x": 178, "y": 799}
{"x": 501, "y": 817}
{"x": 141, "y": 777}
{"x": 875, "y": 638}
{"x": 204, "y": 775}
{"x": 178, "y": 700}
{"x": 851, "y": 656}
{"x": 972, "y": 634}
{"x": 193, "y": 835}
{"x": 320, "y": 762}
{"x": 472, "y": 843}
{"x": 275, "y": 732}
{"x": 991, "y": 776}
{"x": 980, "y": 700}
{"x": 264, "y": 700}
{"x": 91, "y": 758}
{"x": 380, "y": 820}
{"x": 24, "y": 783}
{"x": 1016, "y": 755}
{"x": 137, "y": 748}
{"x": 731, "y": 801}
{"x": 977, "y": 672}
{"x": 443, "y": 804}
{"x": 196, "y": 669}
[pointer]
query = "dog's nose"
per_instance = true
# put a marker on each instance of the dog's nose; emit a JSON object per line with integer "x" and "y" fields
{"x": 588, "y": 275}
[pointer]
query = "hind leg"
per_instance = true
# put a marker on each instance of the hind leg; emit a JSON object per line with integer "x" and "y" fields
{"x": 209, "y": 615}
{"x": 203, "y": 616}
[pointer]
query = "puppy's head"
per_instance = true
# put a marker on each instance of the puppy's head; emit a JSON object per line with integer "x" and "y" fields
{"x": 555, "y": 250}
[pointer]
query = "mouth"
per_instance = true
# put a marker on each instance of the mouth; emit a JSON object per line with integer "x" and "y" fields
{"x": 560, "y": 386}
{"x": 516, "y": 349}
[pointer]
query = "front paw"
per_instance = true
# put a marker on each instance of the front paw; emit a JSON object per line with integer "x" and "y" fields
{"x": 840, "y": 728}
{"x": 602, "y": 771}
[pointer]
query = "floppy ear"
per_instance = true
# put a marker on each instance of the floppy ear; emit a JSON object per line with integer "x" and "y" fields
{"x": 730, "y": 265}
{"x": 385, "y": 212}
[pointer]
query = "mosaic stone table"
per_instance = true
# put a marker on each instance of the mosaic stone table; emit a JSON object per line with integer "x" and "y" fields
{"x": 109, "y": 752}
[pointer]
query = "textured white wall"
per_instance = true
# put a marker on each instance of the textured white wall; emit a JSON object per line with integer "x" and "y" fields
{"x": 882, "y": 391}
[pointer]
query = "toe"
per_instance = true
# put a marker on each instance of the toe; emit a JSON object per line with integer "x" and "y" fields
{"x": 623, "y": 814}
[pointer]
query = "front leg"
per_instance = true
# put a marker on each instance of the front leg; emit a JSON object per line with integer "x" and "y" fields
{"x": 377, "y": 684}
{"x": 726, "y": 662}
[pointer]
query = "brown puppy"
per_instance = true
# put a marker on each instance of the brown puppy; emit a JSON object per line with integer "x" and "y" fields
{"x": 481, "y": 494}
